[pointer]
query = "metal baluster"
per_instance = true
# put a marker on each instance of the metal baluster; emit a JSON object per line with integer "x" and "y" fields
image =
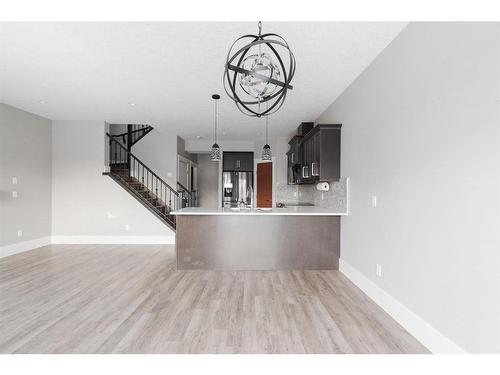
{"x": 114, "y": 161}
{"x": 156, "y": 191}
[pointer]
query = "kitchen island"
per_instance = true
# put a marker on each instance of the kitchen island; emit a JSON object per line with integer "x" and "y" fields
{"x": 289, "y": 238}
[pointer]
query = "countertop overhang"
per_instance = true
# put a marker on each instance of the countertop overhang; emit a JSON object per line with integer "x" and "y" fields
{"x": 284, "y": 211}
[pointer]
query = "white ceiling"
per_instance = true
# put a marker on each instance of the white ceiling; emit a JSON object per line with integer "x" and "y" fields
{"x": 93, "y": 71}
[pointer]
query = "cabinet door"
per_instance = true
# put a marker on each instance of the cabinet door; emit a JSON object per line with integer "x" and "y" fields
{"x": 306, "y": 162}
{"x": 315, "y": 155}
{"x": 289, "y": 174}
{"x": 330, "y": 154}
{"x": 229, "y": 161}
{"x": 245, "y": 162}
{"x": 238, "y": 161}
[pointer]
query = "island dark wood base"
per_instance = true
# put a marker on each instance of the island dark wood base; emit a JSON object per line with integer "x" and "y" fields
{"x": 257, "y": 242}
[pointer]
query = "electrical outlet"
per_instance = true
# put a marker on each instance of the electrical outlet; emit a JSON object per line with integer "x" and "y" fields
{"x": 14, "y": 194}
{"x": 294, "y": 193}
{"x": 14, "y": 180}
{"x": 19, "y": 233}
{"x": 378, "y": 270}
{"x": 322, "y": 195}
{"x": 127, "y": 227}
{"x": 374, "y": 201}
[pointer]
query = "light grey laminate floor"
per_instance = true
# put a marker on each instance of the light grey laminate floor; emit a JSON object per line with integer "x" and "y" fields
{"x": 131, "y": 299}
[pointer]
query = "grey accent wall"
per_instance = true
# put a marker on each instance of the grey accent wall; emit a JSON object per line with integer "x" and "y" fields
{"x": 158, "y": 150}
{"x": 25, "y": 153}
{"x": 421, "y": 132}
{"x": 208, "y": 182}
{"x": 86, "y": 203}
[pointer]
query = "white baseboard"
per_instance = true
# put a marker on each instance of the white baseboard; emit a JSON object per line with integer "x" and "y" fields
{"x": 20, "y": 247}
{"x": 106, "y": 240}
{"x": 430, "y": 337}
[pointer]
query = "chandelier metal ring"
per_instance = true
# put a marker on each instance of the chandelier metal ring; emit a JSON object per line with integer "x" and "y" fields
{"x": 253, "y": 77}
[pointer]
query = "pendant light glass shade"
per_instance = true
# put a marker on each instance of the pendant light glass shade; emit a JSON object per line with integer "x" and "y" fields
{"x": 215, "y": 152}
{"x": 266, "y": 151}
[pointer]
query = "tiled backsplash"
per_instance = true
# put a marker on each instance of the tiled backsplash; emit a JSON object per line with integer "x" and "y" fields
{"x": 334, "y": 199}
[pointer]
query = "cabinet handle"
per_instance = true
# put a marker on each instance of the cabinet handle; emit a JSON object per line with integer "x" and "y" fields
{"x": 238, "y": 164}
{"x": 305, "y": 172}
{"x": 293, "y": 157}
{"x": 314, "y": 169}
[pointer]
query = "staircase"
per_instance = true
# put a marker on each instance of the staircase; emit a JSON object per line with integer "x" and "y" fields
{"x": 139, "y": 180}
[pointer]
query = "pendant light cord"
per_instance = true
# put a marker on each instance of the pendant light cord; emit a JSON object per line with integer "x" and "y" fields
{"x": 267, "y": 121}
{"x": 216, "y": 115}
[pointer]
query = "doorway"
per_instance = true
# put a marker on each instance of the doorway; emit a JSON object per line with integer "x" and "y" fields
{"x": 265, "y": 185}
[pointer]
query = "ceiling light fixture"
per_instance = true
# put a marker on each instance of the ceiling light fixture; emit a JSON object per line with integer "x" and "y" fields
{"x": 256, "y": 73}
{"x": 215, "y": 152}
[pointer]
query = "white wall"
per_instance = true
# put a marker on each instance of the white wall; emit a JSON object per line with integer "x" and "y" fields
{"x": 25, "y": 153}
{"x": 158, "y": 150}
{"x": 208, "y": 182}
{"x": 86, "y": 203}
{"x": 421, "y": 132}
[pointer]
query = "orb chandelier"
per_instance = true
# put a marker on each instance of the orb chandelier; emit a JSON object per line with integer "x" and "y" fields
{"x": 259, "y": 69}
{"x": 215, "y": 152}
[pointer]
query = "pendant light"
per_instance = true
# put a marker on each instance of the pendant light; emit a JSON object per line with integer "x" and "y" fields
{"x": 215, "y": 152}
{"x": 266, "y": 151}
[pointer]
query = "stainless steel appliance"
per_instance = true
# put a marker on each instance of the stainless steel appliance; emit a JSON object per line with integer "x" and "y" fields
{"x": 237, "y": 187}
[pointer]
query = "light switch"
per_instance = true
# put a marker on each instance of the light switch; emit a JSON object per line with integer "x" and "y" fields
{"x": 374, "y": 201}
{"x": 14, "y": 180}
{"x": 14, "y": 194}
{"x": 19, "y": 233}
{"x": 127, "y": 227}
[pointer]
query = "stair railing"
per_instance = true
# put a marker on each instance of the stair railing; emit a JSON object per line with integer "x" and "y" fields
{"x": 133, "y": 134}
{"x": 188, "y": 197}
{"x": 127, "y": 166}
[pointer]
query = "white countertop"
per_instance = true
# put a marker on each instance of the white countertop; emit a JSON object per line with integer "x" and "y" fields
{"x": 292, "y": 210}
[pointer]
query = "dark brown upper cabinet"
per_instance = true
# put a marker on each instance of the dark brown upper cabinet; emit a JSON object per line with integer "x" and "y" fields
{"x": 237, "y": 161}
{"x": 318, "y": 155}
